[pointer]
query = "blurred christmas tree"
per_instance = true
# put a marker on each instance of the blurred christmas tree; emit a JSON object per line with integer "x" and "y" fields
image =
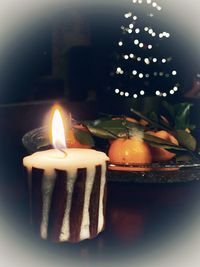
{"x": 144, "y": 62}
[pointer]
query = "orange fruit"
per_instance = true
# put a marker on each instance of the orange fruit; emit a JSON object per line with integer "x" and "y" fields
{"x": 129, "y": 151}
{"x": 72, "y": 142}
{"x": 161, "y": 154}
{"x": 121, "y": 118}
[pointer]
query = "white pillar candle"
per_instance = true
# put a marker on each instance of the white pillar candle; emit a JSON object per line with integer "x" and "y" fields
{"x": 67, "y": 190}
{"x": 50, "y": 162}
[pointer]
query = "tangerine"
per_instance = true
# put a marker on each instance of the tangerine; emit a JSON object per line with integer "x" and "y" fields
{"x": 161, "y": 154}
{"x": 129, "y": 151}
{"x": 72, "y": 142}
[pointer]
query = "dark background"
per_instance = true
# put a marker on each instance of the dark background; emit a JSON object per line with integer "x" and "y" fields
{"x": 69, "y": 55}
{"x": 67, "y": 58}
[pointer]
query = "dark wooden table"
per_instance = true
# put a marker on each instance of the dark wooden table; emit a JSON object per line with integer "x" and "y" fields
{"x": 140, "y": 217}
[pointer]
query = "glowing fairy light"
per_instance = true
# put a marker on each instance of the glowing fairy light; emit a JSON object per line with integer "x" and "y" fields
{"x": 117, "y": 91}
{"x": 174, "y": 72}
{"x": 134, "y": 72}
{"x": 120, "y": 43}
{"x": 154, "y": 4}
{"x": 126, "y": 94}
{"x": 137, "y": 30}
{"x": 157, "y": 92}
{"x": 150, "y": 31}
{"x": 128, "y": 15}
{"x": 119, "y": 71}
{"x": 136, "y": 42}
{"x": 135, "y": 96}
{"x": 142, "y": 92}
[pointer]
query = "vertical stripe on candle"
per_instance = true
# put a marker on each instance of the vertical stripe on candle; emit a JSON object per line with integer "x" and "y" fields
{"x": 36, "y": 198}
{"x": 58, "y": 204}
{"x": 71, "y": 177}
{"x": 101, "y": 204}
{"x": 76, "y": 213}
{"x": 85, "y": 225}
{"x": 47, "y": 189}
{"x": 94, "y": 202}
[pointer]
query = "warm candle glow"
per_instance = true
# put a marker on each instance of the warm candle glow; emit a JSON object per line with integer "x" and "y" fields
{"x": 58, "y": 130}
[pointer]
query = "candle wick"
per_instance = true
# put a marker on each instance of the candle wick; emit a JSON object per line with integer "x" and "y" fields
{"x": 64, "y": 152}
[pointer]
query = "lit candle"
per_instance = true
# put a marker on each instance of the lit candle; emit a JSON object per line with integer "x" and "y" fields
{"x": 67, "y": 189}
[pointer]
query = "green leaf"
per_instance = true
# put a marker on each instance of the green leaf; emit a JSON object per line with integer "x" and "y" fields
{"x": 180, "y": 114}
{"x": 161, "y": 143}
{"x": 186, "y": 140}
{"x": 153, "y": 123}
{"x": 110, "y": 129}
{"x": 83, "y": 137}
{"x": 102, "y": 133}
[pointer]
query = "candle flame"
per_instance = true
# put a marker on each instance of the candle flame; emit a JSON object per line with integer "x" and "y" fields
{"x": 58, "y": 130}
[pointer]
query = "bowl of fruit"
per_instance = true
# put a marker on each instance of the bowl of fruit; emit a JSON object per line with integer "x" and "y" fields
{"x": 153, "y": 148}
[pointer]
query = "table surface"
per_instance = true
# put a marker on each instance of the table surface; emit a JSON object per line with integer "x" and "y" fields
{"x": 139, "y": 217}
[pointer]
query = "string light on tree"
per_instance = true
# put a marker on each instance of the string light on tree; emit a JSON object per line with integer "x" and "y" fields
{"x": 142, "y": 92}
{"x": 126, "y": 94}
{"x": 128, "y": 15}
{"x": 137, "y": 30}
{"x": 144, "y": 54}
